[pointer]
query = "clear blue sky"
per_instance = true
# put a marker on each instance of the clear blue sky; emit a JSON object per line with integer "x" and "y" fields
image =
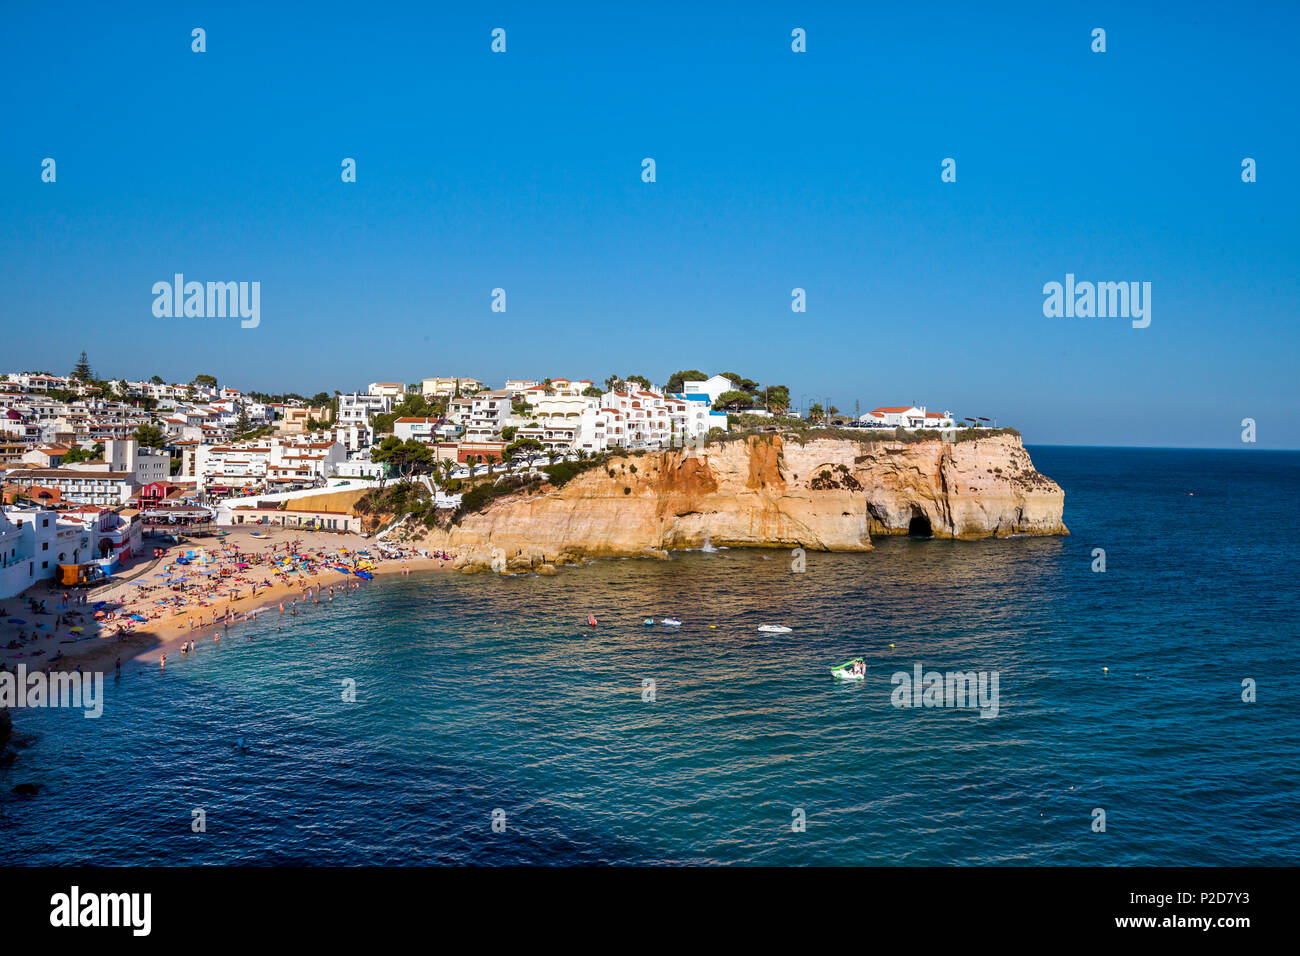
{"x": 775, "y": 170}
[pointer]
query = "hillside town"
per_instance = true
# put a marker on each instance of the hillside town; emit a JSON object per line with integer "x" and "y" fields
{"x": 91, "y": 467}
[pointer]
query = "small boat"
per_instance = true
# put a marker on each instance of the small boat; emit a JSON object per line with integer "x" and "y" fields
{"x": 774, "y": 629}
{"x": 845, "y": 670}
{"x": 671, "y": 622}
{"x": 649, "y": 622}
{"x": 591, "y": 620}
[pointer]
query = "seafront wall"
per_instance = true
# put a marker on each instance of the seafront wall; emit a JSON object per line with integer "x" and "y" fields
{"x": 764, "y": 491}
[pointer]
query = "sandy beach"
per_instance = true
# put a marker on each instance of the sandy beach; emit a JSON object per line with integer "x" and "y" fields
{"x": 155, "y": 605}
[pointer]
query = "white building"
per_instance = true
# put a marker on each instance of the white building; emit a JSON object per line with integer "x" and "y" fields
{"x": 353, "y": 438}
{"x": 909, "y": 417}
{"x": 392, "y": 390}
{"x": 108, "y": 488}
{"x": 421, "y": 429}
{"x": 358, "y": 409}
{"x": 114, "y": 536}
{"x": 266, "y": 464}
{"x": 712, "y": 387}
{"x": 447, "y": 387}
{"x": 33, "y": 543}
{"x": 361, "y": 466}
{"x": 144, "y": 465}
{"x": 489, "y": 413}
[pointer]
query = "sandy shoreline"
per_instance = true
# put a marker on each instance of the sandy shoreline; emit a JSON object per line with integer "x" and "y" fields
{"x": 261, "y": 586}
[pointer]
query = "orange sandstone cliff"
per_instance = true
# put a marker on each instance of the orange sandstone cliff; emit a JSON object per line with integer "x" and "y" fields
{"x": 764, "y": 491}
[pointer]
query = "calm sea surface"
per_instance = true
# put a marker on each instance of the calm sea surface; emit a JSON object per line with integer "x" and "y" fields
{"x": 478, "y": 693}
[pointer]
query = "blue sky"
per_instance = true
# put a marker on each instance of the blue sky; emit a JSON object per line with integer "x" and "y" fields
{"x": 775, "y": 170}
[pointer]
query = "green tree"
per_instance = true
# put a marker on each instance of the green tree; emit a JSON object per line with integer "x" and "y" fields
{"x": 777, "y": 398}
{"x": 742, "y": 383}
{"x": 157, "y": 380}
{"x": 677, "y": 381}
{"x": 81, "y": 371}
{"x": 529, "y": 445}
{"x": 412, "y": 406}
{"x": 405, "y": 458}
{"x": 732, "y": 400}
{"x": 242, "y": 425}
{"x": 150, "y": 436}
{"x": 591, "y": 391}
{"x": 815, "y": 412}
{"x": 640, "y": 380}
{"x": 205, "y": 381}
{"x": 448, "y": 465}
{"x": 83, "y": 454}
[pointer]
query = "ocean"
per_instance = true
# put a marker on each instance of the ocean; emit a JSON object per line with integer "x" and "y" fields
{"x": 481, "y": 699}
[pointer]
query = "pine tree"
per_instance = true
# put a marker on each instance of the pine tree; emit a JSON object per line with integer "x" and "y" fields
{"x": 242, "y": 425}
{"x": 82, "y": 372}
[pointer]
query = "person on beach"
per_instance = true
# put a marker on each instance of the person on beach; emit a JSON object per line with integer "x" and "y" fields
{"x": 162, "y": 662}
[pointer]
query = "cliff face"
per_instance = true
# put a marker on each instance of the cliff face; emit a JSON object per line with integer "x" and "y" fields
{"x": 828, "y": 495}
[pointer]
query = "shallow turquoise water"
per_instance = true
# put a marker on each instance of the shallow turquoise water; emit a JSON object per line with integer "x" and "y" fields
{"x": 476, "y": 693}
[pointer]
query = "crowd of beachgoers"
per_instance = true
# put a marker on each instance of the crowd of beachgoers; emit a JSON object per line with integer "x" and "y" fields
{"x": 193, "y": 586}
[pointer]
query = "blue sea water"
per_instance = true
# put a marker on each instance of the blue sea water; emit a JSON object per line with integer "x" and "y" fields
{"x": 479, "y": 693}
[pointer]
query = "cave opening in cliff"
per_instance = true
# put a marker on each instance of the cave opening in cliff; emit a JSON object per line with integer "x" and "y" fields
{"x": 919, "y": 526}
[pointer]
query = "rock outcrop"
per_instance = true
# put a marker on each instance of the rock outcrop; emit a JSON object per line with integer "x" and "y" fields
{"x": 764, "y": 491}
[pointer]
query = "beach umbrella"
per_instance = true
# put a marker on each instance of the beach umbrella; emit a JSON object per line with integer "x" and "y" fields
{"x": 76, "y": 630}
{"x": 16, "y": 620}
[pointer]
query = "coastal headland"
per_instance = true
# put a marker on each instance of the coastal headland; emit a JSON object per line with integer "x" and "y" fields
{"x": 826, "y": 494}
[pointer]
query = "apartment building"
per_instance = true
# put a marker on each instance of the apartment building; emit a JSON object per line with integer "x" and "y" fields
{"x": 489, "y": 413}
{"x": 448, "y": 387}
{"x": 109, "y": 488}
{"x": 272, "y": 463}
{"x": 358, "y": 409}
{"x": 33, "y": 543}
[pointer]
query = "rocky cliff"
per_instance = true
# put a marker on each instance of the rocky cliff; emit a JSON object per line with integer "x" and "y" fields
{"x": 825, "y": 494}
